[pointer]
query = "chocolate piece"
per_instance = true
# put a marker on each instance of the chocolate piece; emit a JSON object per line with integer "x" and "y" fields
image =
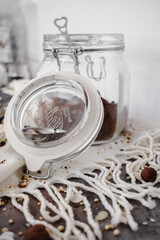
{"x": 2, "y": 143}
{"x": 110, "y": 121}
{"x": 38, "y": 232}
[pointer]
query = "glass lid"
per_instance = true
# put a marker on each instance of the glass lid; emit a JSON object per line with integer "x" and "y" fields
{"x": 54, "y": 117}
{"x": 50, "y": 113}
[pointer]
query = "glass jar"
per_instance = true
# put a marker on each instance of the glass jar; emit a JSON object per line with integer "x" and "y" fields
{"x": 99, "y": 58}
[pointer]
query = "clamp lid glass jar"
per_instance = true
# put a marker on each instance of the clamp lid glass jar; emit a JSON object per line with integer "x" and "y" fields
{"x": 99, "y": 58}
{"x": 53, "y": 118}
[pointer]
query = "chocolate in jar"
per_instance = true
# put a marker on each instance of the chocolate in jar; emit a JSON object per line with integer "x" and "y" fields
{"x": 110, "y": 121}
{"x": 59, "y": 113}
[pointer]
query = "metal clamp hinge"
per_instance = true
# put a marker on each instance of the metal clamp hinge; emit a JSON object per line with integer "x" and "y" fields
{"x": 75, "y": 52}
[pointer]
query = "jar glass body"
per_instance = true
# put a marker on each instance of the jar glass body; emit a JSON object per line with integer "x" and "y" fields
{"x": 99, "y": 58}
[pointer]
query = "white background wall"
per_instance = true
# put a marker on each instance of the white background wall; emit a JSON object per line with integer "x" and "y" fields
{"x": 139, "y": 20}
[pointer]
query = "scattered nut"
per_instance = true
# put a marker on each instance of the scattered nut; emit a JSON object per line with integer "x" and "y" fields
{"x": 22, "y": 184}
{"x": 116, "y": 232}
{"x": 61, "y": 189}
{"x": 20, "y": 233}
{"x": 96, "y": 200}
{"x": 39, "y": 203}
{"x": 109, "y": 227}
{"x": 5, "y": 229}
{"x": 11, "y": 221}
{"x": 149, "y": 174}
{"x": 152, "y": 220}
{"x": 24, "y": 181}
{"x": 101, "y": 216}
{"x": 128, "y": 178}
{"x": 60, "y": 228}
{"x": 25, "y": 177}
{"x": 19, "y": 199}
{"x": 81, "y": 203}
{"x": 145, "y": 223}
{"x": 2, "y": 203}
{"x": 41, "y": 218}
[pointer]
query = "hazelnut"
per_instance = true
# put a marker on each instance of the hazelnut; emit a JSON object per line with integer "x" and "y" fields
{"x": 149, "y": 174}
{"x": 37, "y": 231}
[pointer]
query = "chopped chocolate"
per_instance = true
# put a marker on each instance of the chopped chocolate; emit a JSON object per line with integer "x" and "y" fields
{"x": 24, "y": 181}
{"x": 3, "y": 201}
{"x": 110, "y": 121}
{"x": 3, "y": 161}
{"x": 2, "y": 143}
{"x": 38, "y": 232}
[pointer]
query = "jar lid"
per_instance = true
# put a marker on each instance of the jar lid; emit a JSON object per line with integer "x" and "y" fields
{"x": 54, "y": 117}
{"x": 85, "y": 42}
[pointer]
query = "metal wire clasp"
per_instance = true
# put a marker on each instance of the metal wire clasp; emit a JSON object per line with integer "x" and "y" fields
{"x": 55, "y": 54}
{"x": 77, "y": 52}
{"x": 74, "y": 52}
{"x": 44, "y": 175}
